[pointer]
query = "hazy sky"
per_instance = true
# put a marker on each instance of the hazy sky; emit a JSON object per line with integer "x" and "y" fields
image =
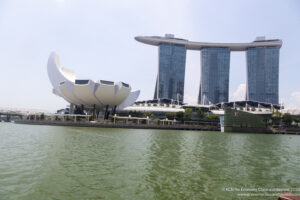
{"x": 95, "y": 39}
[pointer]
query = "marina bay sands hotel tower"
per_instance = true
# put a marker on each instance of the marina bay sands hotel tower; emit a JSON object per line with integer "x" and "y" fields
{"x": 262, "y": 62}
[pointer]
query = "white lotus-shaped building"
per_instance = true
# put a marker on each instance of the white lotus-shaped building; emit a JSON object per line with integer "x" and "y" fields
{"x": 88, "y": 93}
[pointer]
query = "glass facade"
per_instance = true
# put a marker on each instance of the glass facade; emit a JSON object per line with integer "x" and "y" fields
{"x": 214, "y": 81}
{"x": 171, "y": 72}
{"x": 263, "y": 74}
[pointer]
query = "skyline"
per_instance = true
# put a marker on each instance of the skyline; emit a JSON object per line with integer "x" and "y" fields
{"x": 262, "y": 68}
{"x": 101, "y": 45}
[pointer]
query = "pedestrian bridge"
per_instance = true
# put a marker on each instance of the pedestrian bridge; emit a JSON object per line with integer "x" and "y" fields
{"x": 9, "y": 116}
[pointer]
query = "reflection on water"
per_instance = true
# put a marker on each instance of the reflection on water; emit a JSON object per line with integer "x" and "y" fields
{"x": 43, "y": 162}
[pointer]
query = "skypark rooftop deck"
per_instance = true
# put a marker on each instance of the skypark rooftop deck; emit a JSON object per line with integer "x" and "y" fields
{"x": 156, "y": 40}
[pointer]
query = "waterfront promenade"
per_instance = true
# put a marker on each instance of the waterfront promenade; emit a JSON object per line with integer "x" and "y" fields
{"x": 152, "y": 125}
{"x": 106, "y": 124}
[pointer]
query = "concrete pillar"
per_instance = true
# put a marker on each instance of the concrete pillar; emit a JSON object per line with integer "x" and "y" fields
{"x": 114, "y": 110}
{"x": 94, "y": 111}
{"x": 82, "y": 108}
{"x": 72, "y": 108}
{"x": 106, "y": 113}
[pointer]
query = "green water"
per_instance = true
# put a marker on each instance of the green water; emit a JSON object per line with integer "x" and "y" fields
{"x": 44, "y": 162}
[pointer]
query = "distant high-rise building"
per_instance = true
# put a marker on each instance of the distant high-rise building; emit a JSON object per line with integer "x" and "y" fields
{"x": 262, "y": 68}
{"x": 214, "y": 83}
{"x": 171, "y": 71}
{"x": 262, "y": 74}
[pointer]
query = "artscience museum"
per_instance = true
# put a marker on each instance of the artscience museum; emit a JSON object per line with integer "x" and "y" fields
{"x": 89, "y": 95}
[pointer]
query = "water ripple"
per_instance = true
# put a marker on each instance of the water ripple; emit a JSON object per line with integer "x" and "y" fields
{"x": 43, "y": 162}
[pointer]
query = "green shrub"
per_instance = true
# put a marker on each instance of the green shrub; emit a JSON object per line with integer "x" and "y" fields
{"x": 158, "y": 121}
{"x": 276, "y": 115}
{"x": 200, "y": 113}
{"x": 212, "y": 116}
{"x": 287, "y": 119}
{"x": 297, "y": 120}
{"x": 188, "y": 113}
{"x": 148, "y": 114}
{"x": 170, "y": 115}
{"x": 179, "y": 115}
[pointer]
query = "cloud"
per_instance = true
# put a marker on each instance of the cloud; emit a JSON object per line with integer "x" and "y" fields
{"x": 293, "y": 101}
{"x": 239, "y": 94}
